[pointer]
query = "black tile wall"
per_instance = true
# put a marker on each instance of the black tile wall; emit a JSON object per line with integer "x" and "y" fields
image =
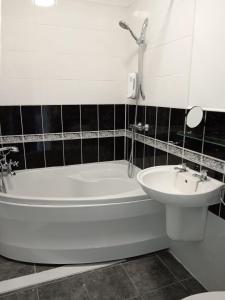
{"x": 32, "y": 119}
{"x": 141, "y": 114}
{"x": 89, "y": 117}
{"x": 163, "y": 119}
{"x": 120, "y": 116}
{"x": 194, "y": 137}
{"x": 106, "y": 149}
{"x": 177, "y": 126}
{"x": 131, "y": 115}
{"x": 10, "y": 117}
{"x": 35, "y": 155}
{"x": 174, "y": 160}
{"x": 214, "y": 139}
{"x": 90, "y": 150}
{"x": 72, "y": 152}
{"x": 52, "y": 118}
{"x": 149, "y": 156}
{"x": 119, "y": 148}
{"x": 71, "y": 118}
{"x": 160, "y": 157}
{"x": 139, "y": 155}
{"x": 151, "y": 112}
{"x": 54, "y": 154}
{"x": 106, "y": 117}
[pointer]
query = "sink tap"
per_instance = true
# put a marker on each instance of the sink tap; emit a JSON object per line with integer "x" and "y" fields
{"x": 203, "y": 176}
{"x": 182, "y": 168}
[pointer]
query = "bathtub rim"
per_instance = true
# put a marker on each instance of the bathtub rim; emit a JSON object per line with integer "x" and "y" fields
{"x": 133, "y": 196}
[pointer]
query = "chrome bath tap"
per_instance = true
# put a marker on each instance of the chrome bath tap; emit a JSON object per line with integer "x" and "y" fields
{"x": 6, "y": 167}
{"x": 182, "y": 168}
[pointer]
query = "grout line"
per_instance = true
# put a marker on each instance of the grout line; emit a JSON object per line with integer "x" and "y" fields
{"x": 156, "y": 125}
{"x": 63, "y": 146}
{"x": 131, "y": 280}
{"x": 24, "y": 152}
{"x": 98, "y": 130}
{"x": 81, "y": 140}
{"x": 167, "y": 156}
{"x": 42, "y": 124}
{"x": 203, "y": 138}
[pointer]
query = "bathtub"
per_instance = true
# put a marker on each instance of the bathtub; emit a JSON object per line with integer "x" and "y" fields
{"x": 78, "y": 214}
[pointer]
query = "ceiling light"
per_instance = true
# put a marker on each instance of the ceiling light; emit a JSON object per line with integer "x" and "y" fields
{"x": 44, "y": 3}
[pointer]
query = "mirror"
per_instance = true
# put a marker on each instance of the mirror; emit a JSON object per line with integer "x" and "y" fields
{"x": 194, "y": 117}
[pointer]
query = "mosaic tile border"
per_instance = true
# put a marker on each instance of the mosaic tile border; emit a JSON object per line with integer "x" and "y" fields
{"x": 48, "y": 137}
{"x": 198, "y": 158}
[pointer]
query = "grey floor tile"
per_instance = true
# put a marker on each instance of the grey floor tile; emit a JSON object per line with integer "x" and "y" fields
{"x": 41, "y": 268}
{"x": 174, "y": 266}
{"x": 148, "y": 273}
{"x": 69, "y": 289}
{"x": 11, "y": 269}
{"x": 26, "y": 295}
{"x": 172, "y": 292}
{"x": 193, "y": 286}
{"x": 110, "y": 284}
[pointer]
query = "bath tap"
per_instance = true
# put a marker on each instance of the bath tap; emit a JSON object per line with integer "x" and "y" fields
{"x": 202, "y": 176}
{"x": 183, "y": 168}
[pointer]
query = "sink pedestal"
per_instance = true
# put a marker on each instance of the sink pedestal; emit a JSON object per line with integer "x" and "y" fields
{"x": 186, "y": 224}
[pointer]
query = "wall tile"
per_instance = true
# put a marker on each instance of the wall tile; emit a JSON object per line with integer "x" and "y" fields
{"x": 177, "y": 125}
{"x": 194, "y": 137}
{"x": 160, "y": 157}
{"x": 89, "y": 118}
{"x": 32, "y": 119}
{"x": 52, "y": 119}
{"x": 151, "y": 120}
{"x": 162, "y": 131}
{"x": 90, "y": 150}
{"x": 119, "y": 116}
{"x": 72, "y": 152}
{"x": 35, "y": 155}
{"x": 119, "y": 148}
{"x": 10, "y": 119}
{"x": 174, "y": 160}
{"x": 139, "y": 155}
{"x": 54, "y": 154}
{"x": 214, "y": 139}
{"x": 106, "y": 117}
{"x": 149, "y": 157}
{"x": 71, "y": 118}
{"x": 131, "y": 115}
{"x": 106, "y": 149}
{"x": 141, "y": 114}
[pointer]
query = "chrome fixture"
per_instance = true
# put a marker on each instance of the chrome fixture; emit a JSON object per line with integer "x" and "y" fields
{"x": 141, "y": 48}
{"x": 203, "y": 176}
{"x": 141, "y": 39}
{"x": 140, "y": 127}
{"x": 182, "y": 168}
{"x": 6, "y": 166}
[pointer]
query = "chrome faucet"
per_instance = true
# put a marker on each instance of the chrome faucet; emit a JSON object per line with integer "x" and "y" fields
{"x": 203, "y": 176}
{"x": 182, "y": 168}
{"x": 139, "y": 127}
{"x": 6, "y": 167}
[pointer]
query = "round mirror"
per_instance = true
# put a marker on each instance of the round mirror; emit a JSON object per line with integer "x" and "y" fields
{"x": 194, "y": 117}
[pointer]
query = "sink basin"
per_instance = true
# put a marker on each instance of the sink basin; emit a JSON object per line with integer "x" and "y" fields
{"x": 186, "y": 199}
{"x": 169, "y": 186}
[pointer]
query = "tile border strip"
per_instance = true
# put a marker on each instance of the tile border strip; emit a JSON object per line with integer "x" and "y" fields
{"x": 198, "y": 158}
{"x": 48, "y": 137}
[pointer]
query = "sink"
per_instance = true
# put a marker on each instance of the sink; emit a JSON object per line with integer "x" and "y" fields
{"x": 185, "y": 196}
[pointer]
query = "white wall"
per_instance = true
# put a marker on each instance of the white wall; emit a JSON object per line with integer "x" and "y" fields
{"x": 168, "y": 56}
{"x": 73, "y": 52}
{"x": 208, "y": 66}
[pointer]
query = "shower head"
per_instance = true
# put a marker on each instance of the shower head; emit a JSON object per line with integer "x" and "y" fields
{"x": 125, "y": 26}
{"x": 140, "y": 40}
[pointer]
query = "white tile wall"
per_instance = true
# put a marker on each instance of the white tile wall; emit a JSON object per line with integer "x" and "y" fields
{"x": 73, "y": 52}
{"x": 168, "y": 54}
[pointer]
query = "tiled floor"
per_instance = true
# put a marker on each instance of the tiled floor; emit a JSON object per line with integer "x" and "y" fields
{"x": 11, "y": 269}
{"x": 157, "y": 276}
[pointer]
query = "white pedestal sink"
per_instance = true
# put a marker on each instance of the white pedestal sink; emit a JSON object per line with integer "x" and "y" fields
{"x": 186, "y": 198}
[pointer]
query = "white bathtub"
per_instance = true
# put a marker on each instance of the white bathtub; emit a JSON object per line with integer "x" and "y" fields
{"x": 78, "y": 214}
